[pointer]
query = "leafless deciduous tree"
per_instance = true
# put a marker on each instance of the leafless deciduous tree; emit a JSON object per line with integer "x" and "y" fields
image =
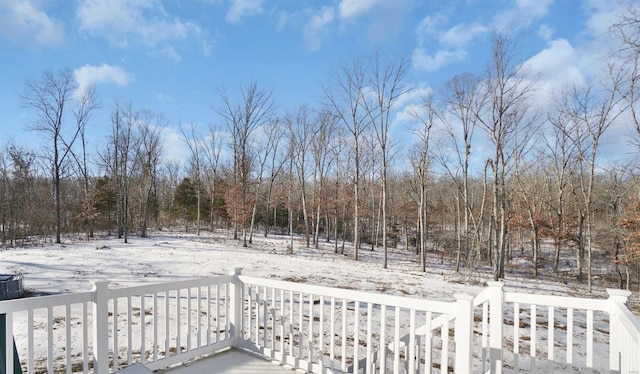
{"x": 501, "y": 118}
{"x": 193, "y": 141}
{"x": 627, "y": 58}
{"x": 148, "y": 156}
{"x": 386, "y": 86}
{"x": 302, "y": 130}
{"x": 345, "y": 99}
{"x": 461, "y": 99}
{"x": 50, "y": 98}
{"x": 86, "y": 105}
{"x": 266, "y": 148}
{"x": 322, "y": 147}
{"x": 560, "y": 150}
{"x": 276, "y": 161}
{"x": 593, "y": 114}
{"x": 421, "y": 163}
{"x": 212, "y": 148}
{"x": 254, "y": 109}
{"x": 119, "y": 160}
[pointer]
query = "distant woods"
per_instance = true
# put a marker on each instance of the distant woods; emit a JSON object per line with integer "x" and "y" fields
{"x": 481, "y": 176}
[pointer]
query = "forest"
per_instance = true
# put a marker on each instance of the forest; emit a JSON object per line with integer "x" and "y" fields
{"x": 481, "y": 174}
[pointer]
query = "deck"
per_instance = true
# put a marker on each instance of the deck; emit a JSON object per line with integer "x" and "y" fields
{"x": 232, "y": 361}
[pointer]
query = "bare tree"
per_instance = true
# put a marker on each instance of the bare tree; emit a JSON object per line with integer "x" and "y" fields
{"x": 386, "y": 85}
{"x": 593, "y": 114}
{"x": 335, "y": 190}
{"x": 49, "y": 97}
{"x": 462, "y": 98}
{"x": 561, "y": 151}
{"x": 345, "y": 99}
{"x": 212, "y": 148}
{"x": 196, "y": 169}
{"x": 148, "y": 158}
{"x": 86, "y": 104}
{"x": 627, "y": 32}
{"x": 242, "y": 119}
{"x": 18, "y": 198}
{"x": 322, "y": 149}
{"x": 277, "y": 160}
{"x": 501, "y": 119}
{"x": 119, "y": 159}
{"x": 421, "y": 165}
{"x": 265, "y": 146}
{"x": 302, "y": 130}
{"x": 530, "y": 187}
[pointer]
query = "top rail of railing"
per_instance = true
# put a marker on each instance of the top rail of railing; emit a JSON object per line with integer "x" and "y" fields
{"x": 361, "y": 296}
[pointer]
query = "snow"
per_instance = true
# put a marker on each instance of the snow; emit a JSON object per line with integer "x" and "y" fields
{"x": 71, "y": 267}
{"x": 163, "y": 257}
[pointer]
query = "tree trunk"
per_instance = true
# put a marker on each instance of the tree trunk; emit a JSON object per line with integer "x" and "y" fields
{"x": 317, "y": 231}
{"x": 305, "y": 216}
{"x": 579, "y": 248}
{"x": 458, "y": 235}
{"x": 384, "y": 212}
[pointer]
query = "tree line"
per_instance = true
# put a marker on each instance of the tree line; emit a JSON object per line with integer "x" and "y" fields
{"x": 338, "y": 173}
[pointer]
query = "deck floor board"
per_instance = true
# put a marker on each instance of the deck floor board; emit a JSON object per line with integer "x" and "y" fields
{"x": 233, "y": 361}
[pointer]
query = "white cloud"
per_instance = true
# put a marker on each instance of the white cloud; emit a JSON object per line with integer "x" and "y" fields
{"x": 595, "y": 53}
{"x": 89, "y": 75}
{"x": 520, "y": 16}
{"x": 133, "y": 23}
{"x": 418, "y": 93}
{"x": 602, "y": 14}
{"x": 553, "y": 61}
{"x": 23, "y": 20}
{"x": 174, "y": 147}
{"x": 243, "y": 8}
{"x": 545, "y": 31}
{"x": 423, "y": 61}
{"x": 316, "y": 26}
{"x": 429, "y": 27}
{"x": 354, "y": 8}
{"x": 171, "y": 53}
{"x": 536, "y": 8}
{"x": 460, "y": 35}
{"x": 451, "y": 42}
{"x": 555, "y": 68}
{"x": 411, "y": 106}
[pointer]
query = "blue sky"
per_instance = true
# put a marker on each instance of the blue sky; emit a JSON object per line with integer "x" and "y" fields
{"x": 173, "y": 56}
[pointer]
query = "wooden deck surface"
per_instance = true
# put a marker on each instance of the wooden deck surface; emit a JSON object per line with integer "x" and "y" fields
{"x": 232, "y": 361}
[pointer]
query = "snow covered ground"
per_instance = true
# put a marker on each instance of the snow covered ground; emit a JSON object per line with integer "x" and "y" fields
{"x": 163, "y": 257}
{"x": 71, "y": 266}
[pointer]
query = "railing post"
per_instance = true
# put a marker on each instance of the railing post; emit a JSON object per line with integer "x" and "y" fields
{"x": 615, "y": 328}
{"x": 463, "y": 333}
{"x": 496, "y": 320}
{"x": 101, "y": 326}
{"x": 235, "y": 308}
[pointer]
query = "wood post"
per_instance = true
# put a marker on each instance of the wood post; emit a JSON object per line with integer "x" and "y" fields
{"x": 235, "y": 308}
{"x": 616, "y": 329}
{"x": 463, "y": 331}
{"x": 101, "y": 326}
{"x": 496, "y": 317}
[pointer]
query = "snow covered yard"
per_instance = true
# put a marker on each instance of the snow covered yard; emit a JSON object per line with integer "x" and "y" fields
{"x": 71, "y": 266}
{"x": 169, "y": 257}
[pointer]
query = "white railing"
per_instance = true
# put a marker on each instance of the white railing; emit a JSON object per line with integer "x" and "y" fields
{"x": 540, "y": 333}
{"x": 320, "y": 329}
{"x": 323, "y": 329}
{"x": 100, "y": 331}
